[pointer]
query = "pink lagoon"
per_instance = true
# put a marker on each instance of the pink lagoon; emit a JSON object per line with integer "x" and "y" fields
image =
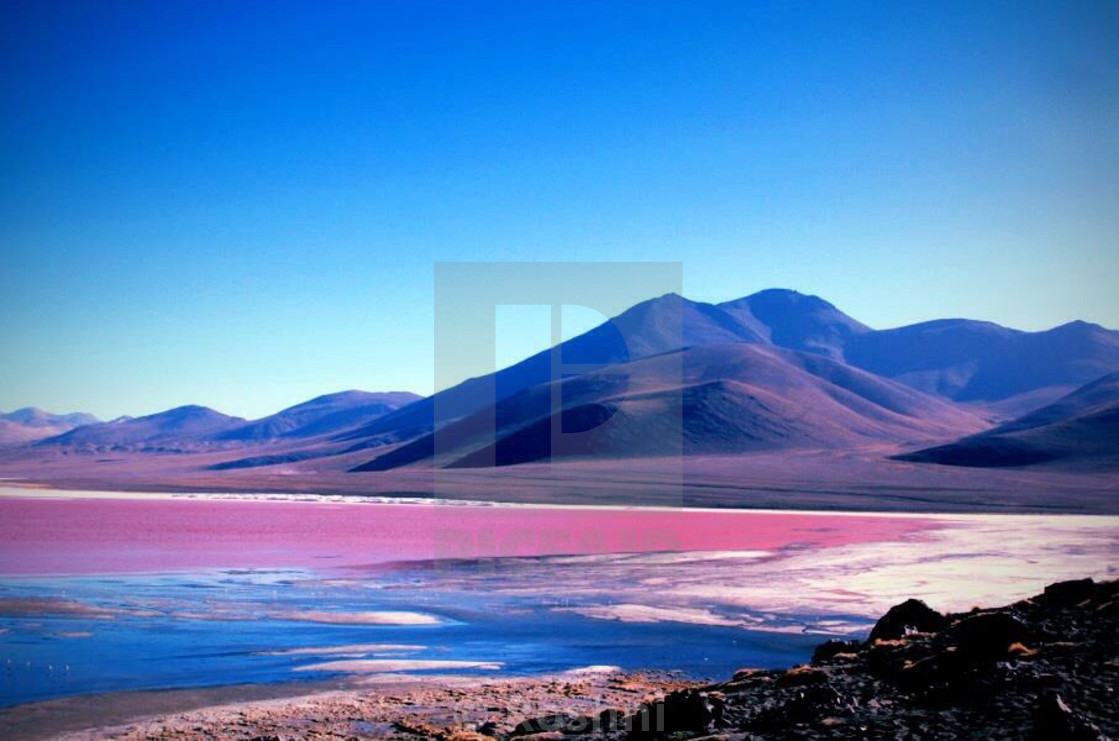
{"x": 94, "y": 533}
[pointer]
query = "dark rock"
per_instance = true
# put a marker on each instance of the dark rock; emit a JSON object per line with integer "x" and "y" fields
{"x": 918, "y": 668}
{"x": 987, "y": 637}
{"x": 888, "y": 659}
{"x": 690, "y": 710}
{"x": 884, "y": 660}
{"x": 683, "y": 711}
{"x": 647, "y": 722}
{"x": 1069, "y": 593}
{"x": 489, "y": 728}
{"x": 828, "y": 650}
{"x": 808, "y": 705}
{"x": 927, "y": 672}
{"x": 1053, "y": 719}
{"x": 611, "y": 720}
{"x": 910, "y": 616}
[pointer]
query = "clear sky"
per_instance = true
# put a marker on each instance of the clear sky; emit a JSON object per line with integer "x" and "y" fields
{"x": 240, "y": 203}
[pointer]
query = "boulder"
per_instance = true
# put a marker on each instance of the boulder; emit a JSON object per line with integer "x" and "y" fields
{"x": 683, "y": 711}
{"x": 611, "y": 720}
{"x": 910, "y": 616}
{"x": 1069, "y": 593}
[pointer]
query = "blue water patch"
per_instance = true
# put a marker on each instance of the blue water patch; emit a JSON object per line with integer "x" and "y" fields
{"x": 97, "y": 634}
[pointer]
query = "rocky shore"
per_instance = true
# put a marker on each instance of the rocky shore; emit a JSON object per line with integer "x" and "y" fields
{"x": 1042, "y": 668}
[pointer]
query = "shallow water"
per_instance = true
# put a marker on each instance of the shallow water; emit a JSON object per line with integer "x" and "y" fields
{"x": 102, "y": 594}
{"x": 220, "y": 628}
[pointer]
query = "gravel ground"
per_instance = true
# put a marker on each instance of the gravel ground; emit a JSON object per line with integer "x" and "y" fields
{"x": 451, "y": 707}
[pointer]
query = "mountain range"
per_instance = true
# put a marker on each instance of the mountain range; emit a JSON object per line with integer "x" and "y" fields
{"x": 193, "y": 428}
{"x": 777, "y": 370}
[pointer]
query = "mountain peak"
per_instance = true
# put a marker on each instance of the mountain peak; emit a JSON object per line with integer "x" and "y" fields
{"x": 25, "y": 414}
{"x": 174, "y": 429}
{"x": 797, "y": 321}
{"x": 29, "y": 424}
{"x": 195, "y": 411}
{"x": 959, "y": 324}
{"x": 666, "y": 301}
{"x": 1077, "y": 326}
{"x": 787, "y": 296}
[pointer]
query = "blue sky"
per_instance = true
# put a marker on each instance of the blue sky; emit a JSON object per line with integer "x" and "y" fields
{"x": 240, "y": 204}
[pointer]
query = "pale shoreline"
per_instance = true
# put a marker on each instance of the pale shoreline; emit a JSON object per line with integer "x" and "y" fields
{"x": 10, "y": 488}
{"x": 231, "y": 711}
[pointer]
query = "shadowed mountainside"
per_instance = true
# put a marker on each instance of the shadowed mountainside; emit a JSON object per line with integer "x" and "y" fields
{"x": 1079, "y": 430}
{"x": 330, "y": 413}
{"x": 709, "y": 399}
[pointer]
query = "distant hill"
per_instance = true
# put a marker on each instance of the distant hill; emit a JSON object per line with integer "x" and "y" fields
{"x": 179, "y": 430}
{"x": 974, "y": 361}
{"x": 1081, "y": 430}
{"x": 327, "y": 414}
{"x": 194, "y": 428}
{"x": 29, "y": 424}
{"x": 707, "y": 399}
